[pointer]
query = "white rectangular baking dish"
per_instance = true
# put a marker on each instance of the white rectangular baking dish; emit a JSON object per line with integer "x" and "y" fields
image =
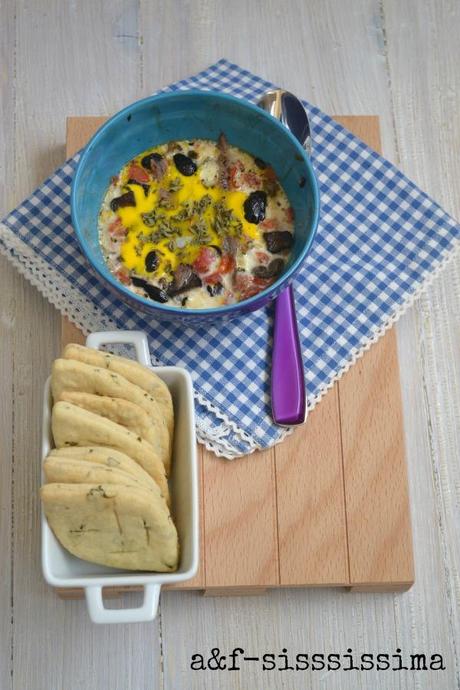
{"x": 62, "y": 569}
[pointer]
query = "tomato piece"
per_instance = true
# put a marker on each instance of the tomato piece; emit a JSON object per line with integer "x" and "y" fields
{"x": 251, "y": 179}
{"x": 227, "y": 264}
{"x": 244, "y": 284}
{"x": 248, "y": 292}
{"x": 117, "y": 229}
{"x": 289, "y": 213}
{"x": 268, "y": 224}
{"x": 212, "y": 278}
{"x": 232, "y": 178}
{"x": 123, "y": 276}
{"x": 234, "y": 174}
{"x": 138, "y": 174}
{"x": 262, "y": 283}
{"x": 204, "y": 260}
{"x": 248, "y": 286}
{"x": 262, "y": 258}
{"x": 270, "y": 174}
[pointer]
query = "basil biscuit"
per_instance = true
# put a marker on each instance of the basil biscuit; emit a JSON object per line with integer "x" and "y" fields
{"x": 72, "y": 425}
{"x": 111, "y": 524}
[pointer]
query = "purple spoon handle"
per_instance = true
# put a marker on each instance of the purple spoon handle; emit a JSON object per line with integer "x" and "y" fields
{"x": 287, "y": 380}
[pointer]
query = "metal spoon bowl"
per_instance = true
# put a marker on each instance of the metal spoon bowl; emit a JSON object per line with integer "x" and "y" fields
{"x": 289, "y": 110}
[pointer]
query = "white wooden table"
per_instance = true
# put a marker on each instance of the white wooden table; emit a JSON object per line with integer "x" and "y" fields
{"x": 399, "y": 59}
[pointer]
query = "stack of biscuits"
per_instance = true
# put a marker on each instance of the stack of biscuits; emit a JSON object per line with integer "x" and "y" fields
{"x": 106, "y": 496}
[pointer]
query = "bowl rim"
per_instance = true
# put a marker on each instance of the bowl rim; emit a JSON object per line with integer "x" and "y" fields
{"x": 208, "y": 311}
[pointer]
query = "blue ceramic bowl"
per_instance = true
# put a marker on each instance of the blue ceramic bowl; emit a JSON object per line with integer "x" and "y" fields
{"x": 192, "y": 115}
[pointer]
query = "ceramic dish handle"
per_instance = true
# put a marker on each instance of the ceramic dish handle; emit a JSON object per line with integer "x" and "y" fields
{"x": 136, "y": 338}
{"x": 148, "y": 611}
{"x": 142, "y": 614}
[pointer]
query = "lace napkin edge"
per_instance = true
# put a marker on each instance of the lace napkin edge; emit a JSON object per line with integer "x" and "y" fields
{"x": 53, "y": 287}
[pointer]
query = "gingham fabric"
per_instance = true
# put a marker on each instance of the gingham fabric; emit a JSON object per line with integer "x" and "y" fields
{"x": 379, "y": 240}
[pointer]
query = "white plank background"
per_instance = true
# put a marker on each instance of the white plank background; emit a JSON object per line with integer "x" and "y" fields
{"x": 398, "y": 59}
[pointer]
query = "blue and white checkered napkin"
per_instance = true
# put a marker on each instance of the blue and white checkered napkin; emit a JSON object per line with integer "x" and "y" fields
{"x": 379, "y": 241}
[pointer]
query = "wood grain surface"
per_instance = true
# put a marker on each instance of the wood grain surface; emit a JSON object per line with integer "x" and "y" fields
{"x": 376, "y": 491}
{"x": 312, "y": 524}
{"x": 329, "y": 506}
{"x": 398, "y": 60}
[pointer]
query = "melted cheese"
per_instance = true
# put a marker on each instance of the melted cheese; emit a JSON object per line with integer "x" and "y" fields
{"x": 135, "y": 249}
{"x": 177, "y": 242}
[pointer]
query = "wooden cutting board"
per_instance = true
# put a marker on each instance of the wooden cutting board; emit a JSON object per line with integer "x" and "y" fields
{"x": 327, "y": 507}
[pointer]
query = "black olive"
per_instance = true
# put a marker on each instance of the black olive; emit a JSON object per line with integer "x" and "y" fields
{"x": 260, "y": 163}
{"x": 254, "y": 207}
{"x": 151, "y": 261}
{"x": 184, "y": 164}
{"x": 126, "y": 199}
{"x": 278, "y": 241}
{"x": 273, "y": 269}
{"x": 215, "y": 289}
{"x": 145, "y": 187}
{"x": 151, "y": 291}
{"x": 146, "y": 162}
{"x": 192, "y": 154}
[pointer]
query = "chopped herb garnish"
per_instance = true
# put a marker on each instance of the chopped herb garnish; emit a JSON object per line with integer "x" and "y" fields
{"x": 149, "y": 218}
{"x": 226, "y": 222}
{"x": 165, "y": 199}
{"x": 186, "y": 211}
{"x": 165, "y": 229}
{"x": 97, "y": 491}
{"x": 200, "y": 232}
{"x": 200, "y": 206}
{"x": 175, "y": 185}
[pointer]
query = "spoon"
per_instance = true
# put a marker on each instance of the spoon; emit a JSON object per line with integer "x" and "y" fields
{"x": 289, "y": 405}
